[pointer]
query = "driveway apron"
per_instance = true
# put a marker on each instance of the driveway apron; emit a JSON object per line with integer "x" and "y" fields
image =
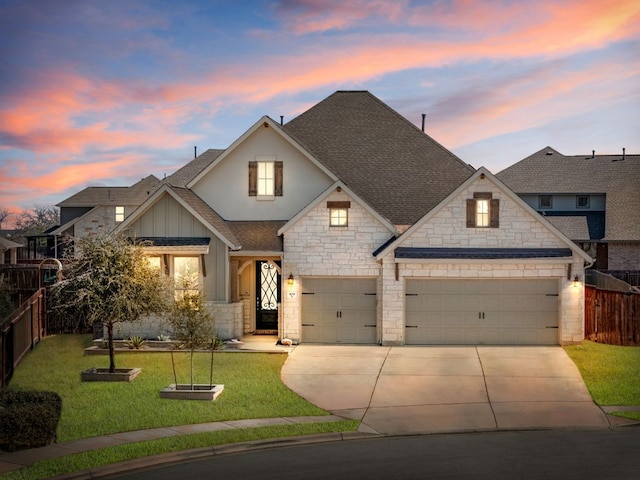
{"x": 404, "y": 390}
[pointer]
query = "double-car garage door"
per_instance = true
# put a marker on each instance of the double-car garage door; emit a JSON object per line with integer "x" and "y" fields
{"x": 437, "y": 311}
{"x": 339, "y": 310}
{"x": 475, "y": 312}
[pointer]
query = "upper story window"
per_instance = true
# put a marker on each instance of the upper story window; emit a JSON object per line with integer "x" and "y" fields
{"x": 545, "y": 201}
{"x": 338, "y": 213}
{"x": 483, "y": 211}
{"x": 583, "y": 201}
{"x": 265, "y": 177}
{"x": 119, "y": 214}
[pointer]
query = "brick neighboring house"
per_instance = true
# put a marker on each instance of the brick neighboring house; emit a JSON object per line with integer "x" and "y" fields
{"x": 348, "y": 224}
{"x": 593, "y": 199}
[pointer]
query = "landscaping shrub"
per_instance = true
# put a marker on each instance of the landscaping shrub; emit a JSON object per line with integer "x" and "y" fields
{"x": 28, "y": 419}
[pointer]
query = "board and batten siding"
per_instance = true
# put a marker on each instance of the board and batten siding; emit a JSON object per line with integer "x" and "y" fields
{"x": 167, "y": 218}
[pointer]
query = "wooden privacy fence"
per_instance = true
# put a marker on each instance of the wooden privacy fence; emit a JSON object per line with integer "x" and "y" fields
{"x": 20, "y": 332}
{"x": 612, "y": 317}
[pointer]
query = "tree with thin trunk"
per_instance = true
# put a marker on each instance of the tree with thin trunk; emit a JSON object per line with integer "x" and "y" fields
{"x": 108, "y": 279}
{"x": 191, "y": 322}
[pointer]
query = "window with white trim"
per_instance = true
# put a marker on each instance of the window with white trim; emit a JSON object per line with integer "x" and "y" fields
{"x": 119, "y": 214}
{"x": 265, "y": 179}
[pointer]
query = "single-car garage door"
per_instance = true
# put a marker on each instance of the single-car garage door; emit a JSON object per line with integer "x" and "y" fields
{"x": 475, "y": 312}
{"x": 339, "y": 310}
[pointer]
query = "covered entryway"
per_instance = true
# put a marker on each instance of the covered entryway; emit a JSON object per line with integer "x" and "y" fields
{"x": 339, "y": 310}
{"x": 477, "y": 312}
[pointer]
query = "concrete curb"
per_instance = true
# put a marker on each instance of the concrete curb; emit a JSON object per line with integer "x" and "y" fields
{"x": 194, "y": 454}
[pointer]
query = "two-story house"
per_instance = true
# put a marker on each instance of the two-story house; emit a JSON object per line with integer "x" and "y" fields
{"x": 593, "y": 199}
{"x": 348, "y": 224}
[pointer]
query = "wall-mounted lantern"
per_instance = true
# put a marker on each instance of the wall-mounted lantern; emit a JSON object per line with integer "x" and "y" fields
{"x": 290, "y": 280}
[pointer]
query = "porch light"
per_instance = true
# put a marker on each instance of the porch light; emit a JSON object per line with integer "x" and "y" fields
{"x": 576, "y": 281}
{"x": 290, "y": 280}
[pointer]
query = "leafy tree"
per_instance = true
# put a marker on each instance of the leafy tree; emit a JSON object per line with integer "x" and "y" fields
{"x": 192, "y": 324}
{"x": 109, "y": 280}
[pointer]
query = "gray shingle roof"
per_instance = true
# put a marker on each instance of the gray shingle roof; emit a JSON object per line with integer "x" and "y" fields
{"x": 182, "y": 176}
{"x": 575, "y": 228}
{"x": 549, "y": 171}
{"x": 258, "y": 235}
{"x": 206, "y": 212}
{"x": 385, "y": 159}
{"x": 94, "y": 196}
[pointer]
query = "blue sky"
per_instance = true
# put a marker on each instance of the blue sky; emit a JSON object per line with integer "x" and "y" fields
{"x": 108, "y": 92}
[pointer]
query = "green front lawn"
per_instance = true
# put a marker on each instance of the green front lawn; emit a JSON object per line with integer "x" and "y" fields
{"x": 253, "y": 388}
{"x": 611, "y": 373}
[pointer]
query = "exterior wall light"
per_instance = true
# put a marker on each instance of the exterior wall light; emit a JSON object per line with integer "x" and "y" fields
{"x": 290, "y": 280}
{"x": 576, "y": 281}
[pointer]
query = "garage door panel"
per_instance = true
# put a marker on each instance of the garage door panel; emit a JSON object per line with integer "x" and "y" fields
{"x": 339, "y": 310}
{"x": 467, "y": 311}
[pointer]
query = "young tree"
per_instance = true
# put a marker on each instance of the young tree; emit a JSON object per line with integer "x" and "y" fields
{"x": 192, "y": 324}
{"x": 109, "y": 280}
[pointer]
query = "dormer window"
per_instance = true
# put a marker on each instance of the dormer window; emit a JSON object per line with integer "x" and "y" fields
{"x": 338, "y": 213}
{"x": 265, "y": 177}
{"x": 119, "y": 214}
{"x": 483, "y": 211}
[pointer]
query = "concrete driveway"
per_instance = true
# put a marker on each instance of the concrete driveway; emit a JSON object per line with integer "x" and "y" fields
{"x": 403, "y": 390}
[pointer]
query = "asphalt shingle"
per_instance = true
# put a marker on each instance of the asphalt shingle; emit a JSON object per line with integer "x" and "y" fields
{"x": 385, "y": 159}
{"x": 549, "y": 171}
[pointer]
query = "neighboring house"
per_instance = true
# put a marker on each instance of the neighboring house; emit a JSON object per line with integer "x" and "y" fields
{"x": 8, "y": 251}
{"x": 350, "y": 225}
{"x": 593, "y": 199}
{"x": 98, "y": 210}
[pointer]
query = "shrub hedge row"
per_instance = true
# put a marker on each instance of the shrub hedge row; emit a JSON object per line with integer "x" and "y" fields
{"x": 28, "y": 419}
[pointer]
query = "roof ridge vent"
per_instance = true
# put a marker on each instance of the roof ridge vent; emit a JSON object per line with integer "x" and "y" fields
{"x": 624, "y": 155}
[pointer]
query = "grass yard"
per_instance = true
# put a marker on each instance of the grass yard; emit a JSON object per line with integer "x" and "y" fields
{"x": 104, "y": 456}
{"x": 612, "y": 373}
{"x": 253, "y": 388}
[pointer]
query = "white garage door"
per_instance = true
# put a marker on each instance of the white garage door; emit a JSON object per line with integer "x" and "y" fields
{"x": 338, "y": 310}
{"x": 476, "y": 312}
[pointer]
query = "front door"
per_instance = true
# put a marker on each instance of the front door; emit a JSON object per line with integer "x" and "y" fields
{"x": 267, "y": 296}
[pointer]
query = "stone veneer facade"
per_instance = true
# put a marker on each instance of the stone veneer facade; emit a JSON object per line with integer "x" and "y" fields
{"x": 312, "y": 248}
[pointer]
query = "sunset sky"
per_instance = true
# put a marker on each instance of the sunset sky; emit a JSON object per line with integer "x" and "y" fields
{"x": 107, "y": 92}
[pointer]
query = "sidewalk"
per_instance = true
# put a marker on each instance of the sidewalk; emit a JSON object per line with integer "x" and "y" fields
{"x": 24, "y": 458}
